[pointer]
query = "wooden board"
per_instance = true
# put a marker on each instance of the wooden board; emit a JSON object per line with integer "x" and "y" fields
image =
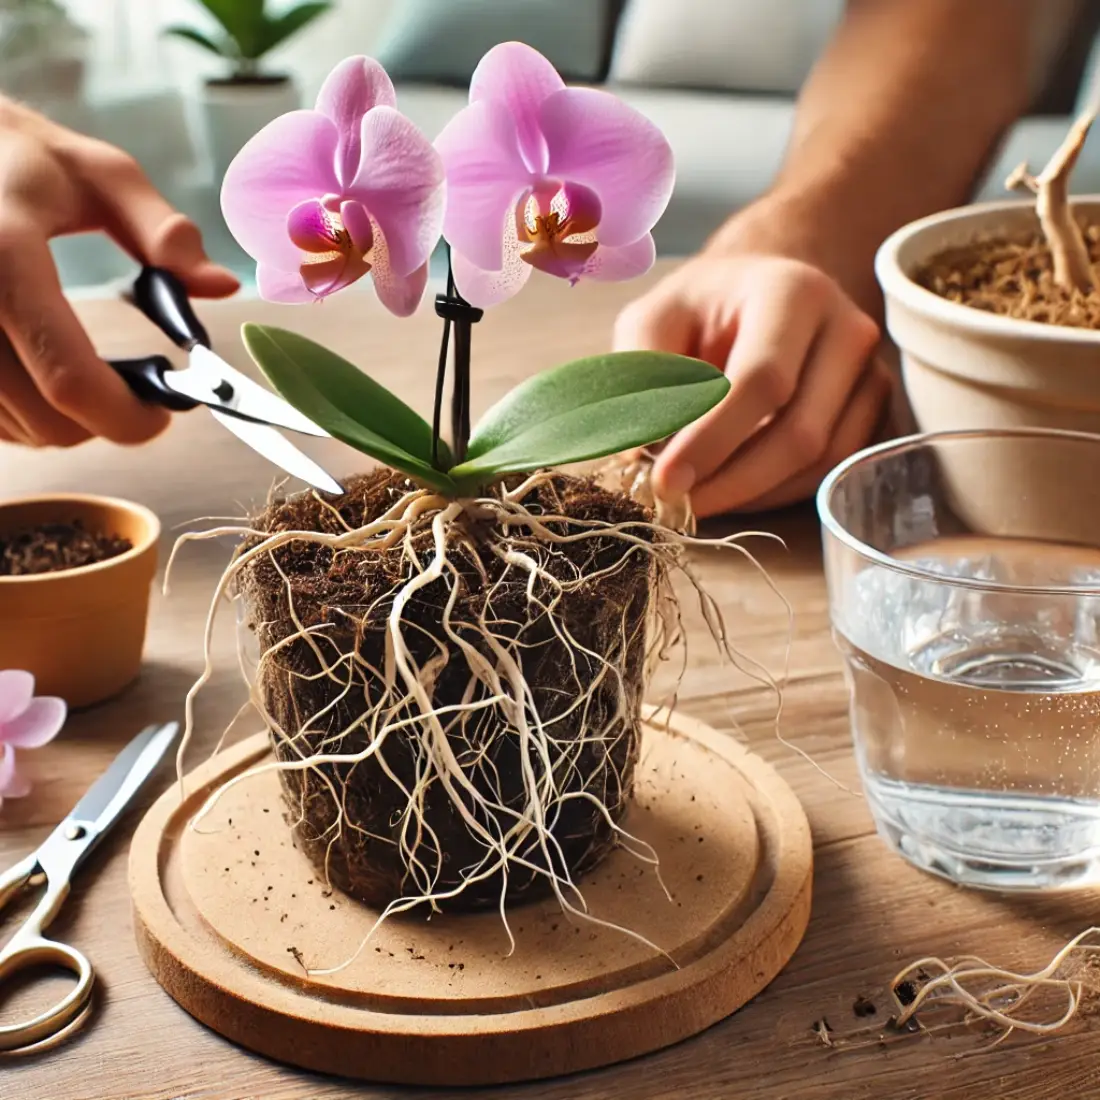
{"x": 234, "y": 922}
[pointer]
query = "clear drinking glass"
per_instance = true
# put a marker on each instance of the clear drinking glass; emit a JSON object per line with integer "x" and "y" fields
{"x": 964, "y": 590}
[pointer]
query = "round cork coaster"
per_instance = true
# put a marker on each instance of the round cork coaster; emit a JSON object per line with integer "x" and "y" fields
{"x": 239, "y": 928}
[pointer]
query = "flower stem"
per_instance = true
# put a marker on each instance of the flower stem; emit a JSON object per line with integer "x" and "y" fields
{"x": 456, "y": 311}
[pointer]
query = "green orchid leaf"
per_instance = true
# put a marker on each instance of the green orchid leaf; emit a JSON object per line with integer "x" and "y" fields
{"x": 588, "y": 409}
{"x": 200, "y": 39}
{"x": 290, "y": 23}
{"x": 347, "y": 403}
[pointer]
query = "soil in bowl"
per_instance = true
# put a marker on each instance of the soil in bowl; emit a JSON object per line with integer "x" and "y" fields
{"x": 54, "y": 547}
{"x": 391, "y": 825}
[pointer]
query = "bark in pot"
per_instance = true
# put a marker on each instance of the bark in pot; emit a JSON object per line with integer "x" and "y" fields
{"x": 391, "y": 826}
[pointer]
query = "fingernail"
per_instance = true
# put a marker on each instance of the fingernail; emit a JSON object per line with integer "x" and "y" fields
{"x": 679, "y": 480}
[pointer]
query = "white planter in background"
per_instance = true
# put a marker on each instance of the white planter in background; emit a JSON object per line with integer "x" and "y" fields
{"x": 230, "y": 113}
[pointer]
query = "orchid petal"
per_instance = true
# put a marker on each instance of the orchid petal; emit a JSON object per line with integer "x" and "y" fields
{"x": 311, "y": 227}
{"x": 290, "y": 160}
{"x": 580, "y": 208}
{"x": 335, "y": 271}
{"x": 597, "y": 140}
{"x": 13, "y": 784}
{"x": 353, "y": 88}
{"x": 400, "y": 181}
{"x": 357, "y": 222}
{"x": 520, "y": 79}
{"x": 38, "y": 724}
{"x": 483, "y": 288}
{"x": 613, "y": 265}
{"x": 400, "y": 294}
{"x": 16, "y": 692}
{"x": 563, "y": 259}
{"x": 288, "y": 287}
{"x": 486, "y": 178}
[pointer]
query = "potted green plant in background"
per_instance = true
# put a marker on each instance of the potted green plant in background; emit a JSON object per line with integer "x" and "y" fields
{"x": 234, "y": 106}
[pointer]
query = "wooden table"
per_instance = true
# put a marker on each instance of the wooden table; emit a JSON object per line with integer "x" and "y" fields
{"x": 872, "y": 912}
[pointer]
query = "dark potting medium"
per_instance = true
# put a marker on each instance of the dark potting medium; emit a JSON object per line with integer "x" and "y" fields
{"x": 351, "y": 595}
{"x": 1014, "y": 278}
{"x": 54, "y": 547}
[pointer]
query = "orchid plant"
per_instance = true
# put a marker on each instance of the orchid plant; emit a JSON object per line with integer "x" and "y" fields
{"x": 531, "y": 175}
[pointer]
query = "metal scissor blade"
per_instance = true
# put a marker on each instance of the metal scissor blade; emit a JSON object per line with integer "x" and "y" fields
{"x": 201, "y": 380}
{"x": 109, "y": 794}
{"x": 276, "y": 448}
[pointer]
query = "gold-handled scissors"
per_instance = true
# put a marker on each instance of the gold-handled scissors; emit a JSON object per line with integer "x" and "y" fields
{"x": 53, "y": 865}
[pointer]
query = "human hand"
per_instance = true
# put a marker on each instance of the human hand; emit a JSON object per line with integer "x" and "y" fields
{"x": 805, "y": 392}
{"x": 54, "y": 389}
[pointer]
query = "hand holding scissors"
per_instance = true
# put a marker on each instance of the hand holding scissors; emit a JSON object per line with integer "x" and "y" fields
{"x": 55, "y": 862}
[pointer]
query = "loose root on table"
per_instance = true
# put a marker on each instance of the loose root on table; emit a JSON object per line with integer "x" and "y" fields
{"x": 1010, "y": 1000}
{"x": 450, "y": 740}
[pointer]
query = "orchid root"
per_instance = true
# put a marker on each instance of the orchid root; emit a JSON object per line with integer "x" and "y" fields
{"x": 429, "y": 749}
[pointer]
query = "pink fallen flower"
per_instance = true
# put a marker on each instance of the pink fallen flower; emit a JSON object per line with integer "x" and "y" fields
{"x": 320, "y": 198}
{"x": 25, "y": 723}
{"x": 568, "y": 180}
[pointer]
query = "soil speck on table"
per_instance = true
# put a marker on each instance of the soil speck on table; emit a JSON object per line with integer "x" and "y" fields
{"x": 863, "y": 1007}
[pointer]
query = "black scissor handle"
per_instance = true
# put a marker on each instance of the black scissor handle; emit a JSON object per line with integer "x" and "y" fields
{"x": 163, "y": 299}
{"x": 146, "y": 378}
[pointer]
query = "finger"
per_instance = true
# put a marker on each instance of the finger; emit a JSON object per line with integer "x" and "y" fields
{"x": 775, "y": 329}
{"x": 143, "y": 222}
{"x": 55, "y": 351}
{"x": 658, "y": 321}
{"x": 12, "y": 430}
{"x": 26, "y": 413}
{"x": 859, "y": 425}
{"x": 801, "y": 434}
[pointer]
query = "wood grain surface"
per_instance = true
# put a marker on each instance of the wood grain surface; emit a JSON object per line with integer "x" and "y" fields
{"x": 871, "y": 912}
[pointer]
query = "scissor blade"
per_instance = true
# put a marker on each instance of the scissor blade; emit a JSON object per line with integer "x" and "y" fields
{"x": 109, "y": 795}
{"x": 200, "y": 381}
{"x": 276, "y": 448}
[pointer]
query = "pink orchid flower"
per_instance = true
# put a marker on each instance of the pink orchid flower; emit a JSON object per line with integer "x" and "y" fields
{"x": 25, "y": 723}
{"x": 320, "y": 198}
{"x": 568, "y": 180}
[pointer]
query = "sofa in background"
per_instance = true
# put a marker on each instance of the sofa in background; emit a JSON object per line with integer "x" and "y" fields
{"x": 719, "y": 77}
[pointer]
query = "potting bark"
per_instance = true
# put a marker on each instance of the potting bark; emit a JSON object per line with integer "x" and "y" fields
{"x": 53, "y": 547}
{"x": 320, "y": 614}
{"x": 1014, "y": 278}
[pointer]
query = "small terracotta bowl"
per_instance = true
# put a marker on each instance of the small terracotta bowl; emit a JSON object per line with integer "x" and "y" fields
{"x": 81, "y": 632}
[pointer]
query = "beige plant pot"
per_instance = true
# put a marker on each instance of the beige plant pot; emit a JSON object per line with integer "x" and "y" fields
{"x": 965, "y": 368}
{"x": 80, "y": 632}
{"x": 232, "y": 113}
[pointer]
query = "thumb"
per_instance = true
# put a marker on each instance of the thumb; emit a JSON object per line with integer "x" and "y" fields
{"x": 144, "y": 223}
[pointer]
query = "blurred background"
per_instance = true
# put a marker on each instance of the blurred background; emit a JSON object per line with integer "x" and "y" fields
{"x": 719, "y": 76}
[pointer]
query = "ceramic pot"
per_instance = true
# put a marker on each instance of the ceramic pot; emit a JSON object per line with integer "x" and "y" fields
{"x": 231, "y": 112}
{"x": 967, "y": 369}
{"x": 81, "y": 632}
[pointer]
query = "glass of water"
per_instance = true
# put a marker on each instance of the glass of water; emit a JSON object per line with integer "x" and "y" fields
{"x": 964, "y": 590}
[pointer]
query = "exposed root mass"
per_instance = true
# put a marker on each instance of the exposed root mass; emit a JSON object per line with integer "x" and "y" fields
{"x": 454, "y": 688}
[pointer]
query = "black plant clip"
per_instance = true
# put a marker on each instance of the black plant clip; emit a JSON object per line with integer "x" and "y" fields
{"x": 456, "y": 312}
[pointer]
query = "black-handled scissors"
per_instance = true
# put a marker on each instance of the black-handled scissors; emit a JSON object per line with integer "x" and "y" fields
{"x": 249, "y": 411}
